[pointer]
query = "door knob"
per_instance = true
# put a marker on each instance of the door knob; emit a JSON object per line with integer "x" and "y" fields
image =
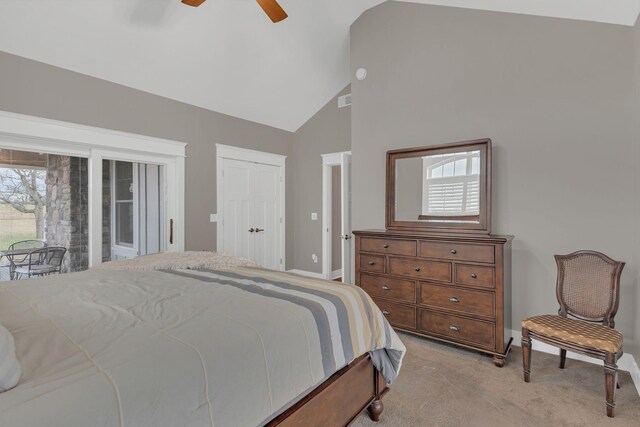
{"x": 474, "y": 276}
{"x": 251, "y": 230}
{"x": 454, "y": 299}
{"x": 386, "y": 312}
{"x": 453, "y": 251}
{"x": 454, "y": 328}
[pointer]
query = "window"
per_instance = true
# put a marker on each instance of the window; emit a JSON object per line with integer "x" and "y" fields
{"x": 451, "y": 185}
{"x": 123, "y": 180}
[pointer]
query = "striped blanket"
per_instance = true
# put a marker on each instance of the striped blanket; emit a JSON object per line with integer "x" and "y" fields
{"x": 182, "y": 347}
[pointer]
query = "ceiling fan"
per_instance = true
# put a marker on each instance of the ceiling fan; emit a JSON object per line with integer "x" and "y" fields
{"x": 270, "y": 7}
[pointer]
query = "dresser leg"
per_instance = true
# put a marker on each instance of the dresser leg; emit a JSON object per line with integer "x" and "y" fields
{"x": 499, "y": 361}
{"x": 375, "y": 410}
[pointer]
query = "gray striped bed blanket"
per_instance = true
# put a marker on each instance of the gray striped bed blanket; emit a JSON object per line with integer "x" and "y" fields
{"x": 182, "y": 347}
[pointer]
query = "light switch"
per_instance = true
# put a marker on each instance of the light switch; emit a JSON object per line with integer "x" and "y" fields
{"x": 314, "y": 216}
{"x": 213, "y": 217}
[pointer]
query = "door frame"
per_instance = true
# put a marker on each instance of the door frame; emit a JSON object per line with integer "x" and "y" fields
{"x": 36, "y": 134}
{"x": 253, "y": 156}
{"x": 328, "y": 161}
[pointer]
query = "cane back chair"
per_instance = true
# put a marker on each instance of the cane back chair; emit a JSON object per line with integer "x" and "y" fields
{"x": 588, "y": 291}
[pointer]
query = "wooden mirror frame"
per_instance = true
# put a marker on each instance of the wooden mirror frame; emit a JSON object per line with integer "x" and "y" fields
{"x": 484, "y": 223}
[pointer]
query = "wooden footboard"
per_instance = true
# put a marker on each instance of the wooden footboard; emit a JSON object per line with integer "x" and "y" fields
{"x": 340, "y": 399}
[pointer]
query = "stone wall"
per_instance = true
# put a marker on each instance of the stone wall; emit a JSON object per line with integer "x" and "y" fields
{"x": 67, "y": 209}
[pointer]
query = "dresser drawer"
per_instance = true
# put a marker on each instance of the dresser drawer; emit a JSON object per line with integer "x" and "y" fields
{"x": 399, "y": 315}
{"x": 387, "y": 287}
{"x": 457, "y": 328}
{"x": 460, "y": 300}
{"x": 420, "y": 268}
{"x": 372, "y": 263}
{"x": 474, "y": 275}
{"x": 457, "y": 251}
{"x": 389, "y": 246}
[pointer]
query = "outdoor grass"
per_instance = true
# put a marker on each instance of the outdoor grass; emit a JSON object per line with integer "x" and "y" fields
{"x": 15, "y": 226}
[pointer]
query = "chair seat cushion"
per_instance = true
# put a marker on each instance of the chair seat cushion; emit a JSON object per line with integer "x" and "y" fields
{"x": 577, "y": 332}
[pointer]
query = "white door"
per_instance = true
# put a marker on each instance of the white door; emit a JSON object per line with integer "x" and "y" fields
{"x": 346, "y": 216}
{"x": 266, "y": 217}
{"x": 251, "y": 217}
{"x": 237, "y": 190}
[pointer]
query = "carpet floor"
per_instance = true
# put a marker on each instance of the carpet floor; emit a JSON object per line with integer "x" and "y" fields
{"x": 440, "y": 385}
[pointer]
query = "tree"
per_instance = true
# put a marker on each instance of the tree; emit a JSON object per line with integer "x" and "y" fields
{"x": 24, "y": 190}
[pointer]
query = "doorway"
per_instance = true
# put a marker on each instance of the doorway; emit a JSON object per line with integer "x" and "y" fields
{"x": 336, "y": 216}
{"x": 251, "y": 205}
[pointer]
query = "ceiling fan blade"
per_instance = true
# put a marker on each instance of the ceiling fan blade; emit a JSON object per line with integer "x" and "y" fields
{"x": 194, "y": 3}
{"x": 273, "y": 10}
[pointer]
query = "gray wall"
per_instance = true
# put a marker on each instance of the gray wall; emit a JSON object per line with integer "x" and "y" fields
{"x": 34, "y": 88}
{"x": 328, "y": 131}
{"x": 554, "y": 95}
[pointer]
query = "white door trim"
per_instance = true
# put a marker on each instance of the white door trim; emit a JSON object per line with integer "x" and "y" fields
{"x": 36, "y": 134}
{"x": 253, "y": 156}
{"x": 328, "y": 161}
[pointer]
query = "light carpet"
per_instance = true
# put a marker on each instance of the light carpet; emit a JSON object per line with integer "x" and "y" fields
{"x": 441, "y": 385}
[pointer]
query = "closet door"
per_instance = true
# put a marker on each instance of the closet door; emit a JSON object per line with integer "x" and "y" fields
{"x": 238, "y": 188}
{"x": 266, "y": 196}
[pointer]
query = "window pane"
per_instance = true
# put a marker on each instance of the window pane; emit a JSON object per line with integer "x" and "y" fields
{"x": 461, "y": 167}
{"x": 448, "y": 169}
{"x": 124, "y": 223}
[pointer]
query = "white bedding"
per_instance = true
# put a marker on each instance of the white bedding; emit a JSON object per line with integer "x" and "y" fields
{"x": 128, "y": 348}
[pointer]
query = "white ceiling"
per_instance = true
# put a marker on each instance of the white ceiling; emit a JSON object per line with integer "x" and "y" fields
{"x": 226, "y": 55}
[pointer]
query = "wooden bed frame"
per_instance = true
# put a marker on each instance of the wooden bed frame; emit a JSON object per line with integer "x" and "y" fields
{"x": 340, "y": 399}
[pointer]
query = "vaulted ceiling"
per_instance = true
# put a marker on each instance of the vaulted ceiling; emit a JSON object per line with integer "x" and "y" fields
{"x": 226, "y": 55}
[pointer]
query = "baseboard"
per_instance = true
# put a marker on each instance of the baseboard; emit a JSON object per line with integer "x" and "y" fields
{"x": 625, "y": 363}
{"x": 306, "y": 273}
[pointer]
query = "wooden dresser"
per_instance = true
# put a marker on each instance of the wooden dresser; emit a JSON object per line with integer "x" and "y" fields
{"x": 451, "y": 287}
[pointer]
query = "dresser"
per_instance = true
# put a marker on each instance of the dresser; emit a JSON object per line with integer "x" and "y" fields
{"x": 449, "y": 287}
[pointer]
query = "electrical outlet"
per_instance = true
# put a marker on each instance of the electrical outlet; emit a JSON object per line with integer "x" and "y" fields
{"x": 314, "y": 216}
{"x": 314, "y": 257}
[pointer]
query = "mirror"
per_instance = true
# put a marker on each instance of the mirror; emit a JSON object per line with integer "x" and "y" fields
{"x": 440, "y": 188}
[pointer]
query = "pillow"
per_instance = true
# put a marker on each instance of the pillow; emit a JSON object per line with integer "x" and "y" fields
{"x": 10, "y": 369}
{"x": 179, "y": 260}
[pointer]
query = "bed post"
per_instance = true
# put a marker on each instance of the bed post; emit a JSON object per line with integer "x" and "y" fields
{"x": 376, "y": 407}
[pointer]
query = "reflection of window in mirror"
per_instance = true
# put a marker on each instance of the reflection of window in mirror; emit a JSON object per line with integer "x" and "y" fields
{"x": 451, "y": 186}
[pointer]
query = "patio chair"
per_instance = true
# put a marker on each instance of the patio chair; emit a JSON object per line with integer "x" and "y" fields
{"x": 43, "y": 262}
{"x": 22, "y": 248}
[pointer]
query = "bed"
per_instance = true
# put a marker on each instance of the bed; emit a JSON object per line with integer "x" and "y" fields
{"x": 235, "y": 345}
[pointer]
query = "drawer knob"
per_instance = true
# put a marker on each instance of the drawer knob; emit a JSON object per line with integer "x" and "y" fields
{"x": 474, "y": 276}
{"x": 417, "y": 268}
{"x": 454, "y": 299}
{"x": 386, "y": 287}
{"x": 385, "y": 246}
{"x": 386, "y": 312}
{"x": 453, "y": 251}
{"x": 372, "y": 263}
{"x": 454, "y": 328}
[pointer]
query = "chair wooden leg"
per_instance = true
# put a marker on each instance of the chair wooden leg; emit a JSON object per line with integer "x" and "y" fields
{"x": 563, "y": 358}
{"x": 526, "y": 355}
{"x": 611, "y": 379}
